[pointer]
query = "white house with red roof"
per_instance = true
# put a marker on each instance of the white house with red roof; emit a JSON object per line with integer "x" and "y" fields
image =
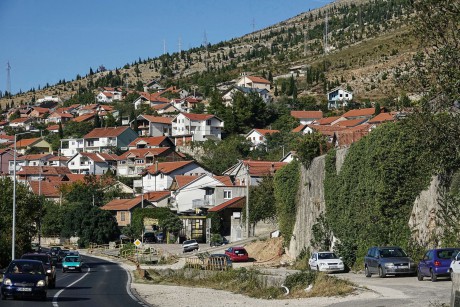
{"x": 150, "y": 99}
{"x": 70, "y": 147}
{"x": 57, "y": 117}
{"x": 307, "y": 117}
{"x": 109, "y": 95}
{"x": 150, "y": 125}
{"x": 88, "y": 163}
{"x": 22, "y": 122}
{"x": 200, "y": 127}
{"x": 133, "y": 162}
{"x": 366, "y": 113}
{"x": 160, "y": 176}
{"x": 338, "y": 98}
{"x": 253, "y": 82}
{"x": 258, "y": 137}
{"x": 106, "y": 139}
{"x": 253, "y": 171}
{"x": 192, "y": 193}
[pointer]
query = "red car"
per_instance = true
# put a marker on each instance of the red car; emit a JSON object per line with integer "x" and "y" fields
{"x": 237, "y": 254}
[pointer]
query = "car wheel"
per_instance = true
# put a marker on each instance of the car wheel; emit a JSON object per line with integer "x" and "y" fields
{"x": 419, "y": 275}
{"x": 433, "y": 276}
{"x": 381, "y": 272}
{"x": 366, "y": 272}
{"x": 3, "y": 297}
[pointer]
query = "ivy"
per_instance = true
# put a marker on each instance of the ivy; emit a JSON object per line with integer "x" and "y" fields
{"x": 286, "y": 184}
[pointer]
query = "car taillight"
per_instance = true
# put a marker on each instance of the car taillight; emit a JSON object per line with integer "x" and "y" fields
{"x": 437, "y": 263}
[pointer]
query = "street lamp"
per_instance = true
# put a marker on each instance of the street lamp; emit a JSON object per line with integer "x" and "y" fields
{"x": 13, "y": 243}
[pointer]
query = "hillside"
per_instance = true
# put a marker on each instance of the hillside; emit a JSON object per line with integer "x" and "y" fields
{"x": 368, "y": 44}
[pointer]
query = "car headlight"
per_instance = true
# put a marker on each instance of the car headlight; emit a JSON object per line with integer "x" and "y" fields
{"x": 7, "y": 282}
{"x": 48, "y": 271}
{"x": 64, "y": 265}
{"x": 340, "y": 263}
{"x": 78, "y": 265}
{"x": 41, "y": 283}
{"x": 389, "y": 264}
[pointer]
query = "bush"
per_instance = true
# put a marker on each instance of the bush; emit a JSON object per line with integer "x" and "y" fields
{"x": 300, "y": 280}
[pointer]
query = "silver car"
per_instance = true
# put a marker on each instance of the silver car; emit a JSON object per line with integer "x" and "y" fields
{"x": 388, "y": 260}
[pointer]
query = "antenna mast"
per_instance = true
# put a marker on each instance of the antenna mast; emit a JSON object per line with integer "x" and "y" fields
{"x": 164, "y": 47}
{"x": 8, "y": 78}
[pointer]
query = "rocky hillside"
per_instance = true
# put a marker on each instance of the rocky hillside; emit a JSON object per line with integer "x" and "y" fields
{"x": 368, "y": 46}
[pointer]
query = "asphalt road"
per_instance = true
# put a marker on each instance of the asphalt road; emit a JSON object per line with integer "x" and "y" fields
{"x": 101, "y": 284}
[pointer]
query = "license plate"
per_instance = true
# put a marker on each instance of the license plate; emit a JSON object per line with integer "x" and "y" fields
{"x": 403, "y": 267}
{"x": 24, "y": 289}
{"x": 333, "y": 266}
{"x": 71, "y": 268}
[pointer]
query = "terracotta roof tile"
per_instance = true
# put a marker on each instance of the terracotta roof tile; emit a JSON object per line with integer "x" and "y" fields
{"x": 142, "y": 152}
{"x": 266, "y": 131}
{"x": 84, "y": 117}
{"x": 234, "y": 203}
{"x": 158, "y": 119}
{"x": 381, "y": 118}
{"x": 307, "y": 114}
{"x": 193, "y": 116}
{"x": 44, "y": 170}
{"x": 46, "y": 188}
{"x": 183, "y": 180}
{"x": 122, "y": 204}
{"x": 326, "y": 120}
{"x": 151, "y": 141}
{"x": 226, "y": 180}
{"x": 360, "y": 112}
{"x": 351, "y": 122}
{"x": 167, "y": 167}
{"x": 26, "y": 142}
{"x": 106, "y": 132}
{"x": 299, "y": 128}
{"x": 263, "y": 168}
{"x": 257, "y": 79}
{"x": 156, "y": 195}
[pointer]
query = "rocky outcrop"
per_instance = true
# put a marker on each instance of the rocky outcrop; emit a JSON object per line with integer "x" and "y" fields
{"x": 422, "y": 221}
{"x": 311, "y": 202}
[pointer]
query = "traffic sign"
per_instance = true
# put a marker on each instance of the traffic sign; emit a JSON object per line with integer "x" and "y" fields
{"x": 137, "y": 243}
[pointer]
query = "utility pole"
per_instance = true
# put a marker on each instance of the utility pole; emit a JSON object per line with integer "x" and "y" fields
{"x": 180, "y": 45}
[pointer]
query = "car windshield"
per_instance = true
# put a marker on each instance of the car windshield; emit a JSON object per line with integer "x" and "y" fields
{"x": 25, "y": 268}
{"x": 327, "y": 256}
{"x": 41, "y": 258}
{"x": 447, "y": 253}
{"x": 392, "y": 252}
{"x": 189, "y": 242}
{"x": 71, "y": 259}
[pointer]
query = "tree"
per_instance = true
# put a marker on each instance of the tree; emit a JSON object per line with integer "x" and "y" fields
{"x": 97, "y": 121}
{"x": 377, "y": 108}
{"x": 171, "y": 223}
{"x": 262, "y": 201}
{"x": 60, "y": 131}
{"x": 437, "y": 66}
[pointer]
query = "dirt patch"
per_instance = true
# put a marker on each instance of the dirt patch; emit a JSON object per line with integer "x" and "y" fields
{"x": 266, "y": 252}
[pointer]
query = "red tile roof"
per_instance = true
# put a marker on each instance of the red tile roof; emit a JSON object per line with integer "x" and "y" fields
{"x": 122, "y": 204}
{"x": 142, "y": 152}
{"x": 46, "y": 188}
{"x": 193, "y": 116}
{"x": 19, "y": 120}
{"x": 326, "y": 120}
{"x": 183, "y": 180}
{"x": 156, "y": 195}
{"x": 326, "y": 130}
{"x": 257, "y": 79}
{"x": 360, "y": 112}
{"x": 307, "y": 114}
{"x": 53, "y": 127}
{"x": 234, "y": 203}
{"x": 44, "y": 170}
{"x": 151, "y": 141}
{"x": 226, "y": 180}
{"x": 266, "y": 131}
{"x": 158, "y": 119}
{"x": 84, "y": 117}
{"x": 26, "y": 142}
{"x": 350, "y": 122}
{"x": 33, "y": 157}
{"x": 154, "y": 97}
{"x": 93, "y": 156}
{"x": 59, "y": 158}
{"x": 299, "y": 128}
{"x": 381, "y": 118}
{"x": 106, "y": 132}
{"x": 62, "y": 115}
{"x": 263, "y": 168}
{"x": 167, "y": 167}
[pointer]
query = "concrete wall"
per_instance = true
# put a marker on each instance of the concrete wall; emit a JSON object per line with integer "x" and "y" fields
{"x": 455, "y": 295}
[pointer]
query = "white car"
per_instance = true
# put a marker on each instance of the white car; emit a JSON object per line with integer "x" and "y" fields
{"x": 326, "y": 262}
{"x": 455, "y": 264}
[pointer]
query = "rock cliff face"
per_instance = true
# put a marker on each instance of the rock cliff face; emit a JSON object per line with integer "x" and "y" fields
{"x": 311, "y": 204}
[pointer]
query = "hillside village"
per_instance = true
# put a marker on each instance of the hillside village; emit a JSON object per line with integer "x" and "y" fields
{"x": 149, "y": 151}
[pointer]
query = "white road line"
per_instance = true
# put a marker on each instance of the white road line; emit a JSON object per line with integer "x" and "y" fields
{"x": 128, "y": 288}
{"x": 55, "y": 297}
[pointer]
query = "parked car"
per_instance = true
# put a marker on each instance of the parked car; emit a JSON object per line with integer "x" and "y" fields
{"x": 190, "y": 245}
{"x": 150, "y": 237}
{"x": 62, "y": 254}
{"x": 54, "y": 252}
{"x": 326, "y": 262}
{"x": 160, "y": 237}
{"x": 218, "y": 241}
{"x": 455, "y": 264}
{"x": 24, "y": 278}
{"x": 72, "y": 263}
{"x": 436, "y": 263}
{"x": 219, "y": 262}
{"x": 237, "y": 254}
{"x": 388, "y": 260}
{"x": 48, "y": 264}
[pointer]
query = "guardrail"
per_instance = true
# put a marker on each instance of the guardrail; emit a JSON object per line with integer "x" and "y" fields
{"x": 208, "y": 263}
{"x": 136, "y": 255}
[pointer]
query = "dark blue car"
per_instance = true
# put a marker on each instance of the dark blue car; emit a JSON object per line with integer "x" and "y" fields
{"x": 24, "y": 278}
{"x": 436, "y": 263}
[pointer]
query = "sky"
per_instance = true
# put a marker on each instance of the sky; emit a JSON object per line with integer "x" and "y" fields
{"x": 51, "y": 40}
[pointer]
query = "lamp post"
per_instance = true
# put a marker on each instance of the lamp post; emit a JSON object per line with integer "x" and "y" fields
{"x": 13, "y": 238}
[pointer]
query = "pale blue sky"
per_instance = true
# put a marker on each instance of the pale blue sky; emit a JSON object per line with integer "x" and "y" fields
{"x": 49, "y": 40}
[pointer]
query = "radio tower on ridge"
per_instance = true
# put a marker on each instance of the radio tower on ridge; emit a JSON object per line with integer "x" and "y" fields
{"x": 8, "y": 78}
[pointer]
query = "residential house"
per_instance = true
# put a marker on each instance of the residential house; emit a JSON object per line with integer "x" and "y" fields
{"x": 88, "y": 163}
{"x": 382, "y": 118}
{"x": 149, "y": 125}
{"x": 109, "y": 95}
{"x": 88, "y": 109}
{"x": 34, "y": 159}
{"x": 51, "y": 98}
{"x": 149, "y": 99}
{"x": 252, "y": 171}
{"x": 50, "y": 190}
{"x": 160, "y": 199}
{"x": 346, "y": 137}
{"x": 57, "y": 117}
{"x": 262, "y": 93}
{"x": 303, "y": 129}
{"x": 153, "y": 86}
{"x": 289, "y": 157}
{"x": 199, "y": 127}
{"x": 22, "y": 123}
{"x": 366, "y": 113}
{"x": 258, "y": 137}
{"x": 351, "y": 122}
{"x": 133, "y": 162}
{"x": 159, "y": 177}
{"x": 122, "y": 209}
{"x": 253, "y": 82}
{"x": 70, "y": 147}
{"x": 6, "y": 155}
{"x": 338, "y": 98}
{"x": 88, "y": 117}
{"x": 58, "y": 161}
{"x": 165, "y": 109}
{"x": 327, "y": 121}
{"x": 72, "y": 109}
{"x": 48, "y": 173}
{"x": 53, "y": 128}
{"x": 307, "y": 117}
{"x": 109, "y": 139}
{"x": 186, "y": 104}
{"x": 190, "y": 194}
{"x": 38, "y": 145}
{"x": 151, "y": 142}
{"x": 230, "y": 213}
{"x": 39, "y": 113}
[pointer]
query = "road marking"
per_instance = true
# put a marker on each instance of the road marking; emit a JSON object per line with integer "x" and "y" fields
{"x": 55, "y": 297}
{"x": 128, "y": 288}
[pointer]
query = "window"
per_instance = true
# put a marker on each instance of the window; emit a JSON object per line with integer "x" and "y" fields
{"x": 162, "y": 176}
{"x": 208, "y": 122}
{"x": 122, "y": 162}
{"x": 227, "y": 194}
{"x": 123, "y": 216}
{"x": 261, "y": 138}
{"x": 139, "y": 161}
